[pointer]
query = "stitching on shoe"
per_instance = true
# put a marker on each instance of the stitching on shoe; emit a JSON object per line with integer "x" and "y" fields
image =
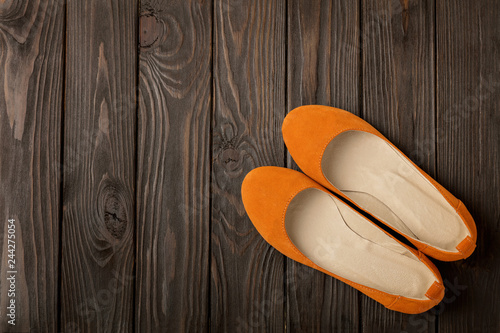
{"x": 438, "y": 285}
{"x": 470, "y": 244}
{"x": 394, "y": 302}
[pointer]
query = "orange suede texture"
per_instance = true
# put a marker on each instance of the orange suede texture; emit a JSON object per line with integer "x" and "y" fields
{"x": 266, "y": 194}
{"x": 307, "y": 130}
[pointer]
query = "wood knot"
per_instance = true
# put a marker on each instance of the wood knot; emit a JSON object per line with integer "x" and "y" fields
{"x": 151, "y": 29}
{"x": 159, "y": 30}
{"x": 113, "y": 207}
{"x": 18, "y": 17}
{"x": 12, "y": 9}
{"x": 230, "y": 159}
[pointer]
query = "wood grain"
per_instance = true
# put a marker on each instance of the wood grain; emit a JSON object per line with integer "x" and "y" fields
{"x": 173, "y": 185}
{"x": 468, "y": 154}
{"x": 99, "y": 167}
{"x": 249, "y": 104}
{"x": 399, "y": 100}
{"x": 139, "y": 198}
{"x": 31, "y": 83}
{"x": 323, "y": 68}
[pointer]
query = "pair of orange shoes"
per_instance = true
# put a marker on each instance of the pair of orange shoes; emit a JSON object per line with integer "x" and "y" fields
{"x": 342, "y": 153}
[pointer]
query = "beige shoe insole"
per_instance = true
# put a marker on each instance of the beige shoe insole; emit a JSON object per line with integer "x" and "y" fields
{"x": 338, "y": 239}
{"x": 380, "y": 180}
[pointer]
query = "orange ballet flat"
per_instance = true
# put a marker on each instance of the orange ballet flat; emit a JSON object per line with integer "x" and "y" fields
{"x": 351, "y": 158}
{"x": 306, "y": 223}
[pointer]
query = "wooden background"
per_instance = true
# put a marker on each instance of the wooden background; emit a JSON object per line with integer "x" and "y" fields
{"x": 126, "y": 130}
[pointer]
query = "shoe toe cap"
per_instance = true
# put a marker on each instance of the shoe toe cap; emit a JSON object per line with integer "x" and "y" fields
{"x": 266, "y": 193}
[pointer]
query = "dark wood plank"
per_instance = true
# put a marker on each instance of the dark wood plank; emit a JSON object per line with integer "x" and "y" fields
{"x": 249, "y": 91}
{"x": 324, "y": 68}
{"x": 99, "y": 167}
{"x": 31, "y": 83}
{"x": 398, "y": 99}
{"x": 468, "y": 155}
{"x": 173, "y": 186}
